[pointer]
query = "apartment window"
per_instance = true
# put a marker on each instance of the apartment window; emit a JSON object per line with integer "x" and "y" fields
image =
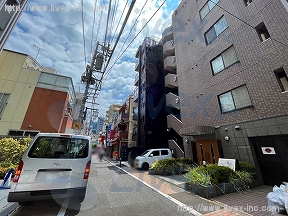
{"x": 207, "y": 8}
{"x": 216, "y": 30}
{"x": 235, "y": 99}
{"x": 262, "y": 32}
{"x": 282, "y": 79}
{"x": 3, "y": 102}
{"x": 247, "y": 2}
{"x": 227, "y": 58}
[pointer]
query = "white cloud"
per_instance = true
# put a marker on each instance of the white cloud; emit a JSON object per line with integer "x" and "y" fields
{"x": 60, "y": 35}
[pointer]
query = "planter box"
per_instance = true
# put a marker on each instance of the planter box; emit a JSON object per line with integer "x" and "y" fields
{"x": 212, "y": 191}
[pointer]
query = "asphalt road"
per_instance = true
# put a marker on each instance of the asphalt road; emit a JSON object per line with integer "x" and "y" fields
{"x": 110, "y": 192}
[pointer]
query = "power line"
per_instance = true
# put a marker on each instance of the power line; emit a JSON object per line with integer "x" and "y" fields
{"x": 120, "y": 19}
{"x": 93, "y": 25}
{"x": 108, "y": 16}
{"x": 132, "y": 28}
{"x": 113, "y": 20}
{"x": 109, "y": 70}
{"x": 83, "y": 31}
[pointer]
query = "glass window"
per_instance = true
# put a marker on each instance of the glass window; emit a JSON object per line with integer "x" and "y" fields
{"x": 226, "y": 102}
{"x": 212, "y": 4}
{"x": 241, "y": 97}
{"x": 217, "y": 65}
{"x": 220, "y": 26}
{"x": 210, "y": 35}
{"x": 155, "y": 153}
{"x": 229, "y": 56}
{"x": 59, "y": 147}
{"x": 3, "y": 102}
{"x": 164, "y": 152}
{"x": 216, "y": 30}
{"x": 235, "y": 99}
{"x": 47, "y": 78}
{"x": 62, "y": 81}
{"x": 204, "y": 11}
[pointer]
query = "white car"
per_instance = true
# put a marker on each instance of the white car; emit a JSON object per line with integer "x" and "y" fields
{"x": 145, "y": 160}
{"x": 54, "y": 166}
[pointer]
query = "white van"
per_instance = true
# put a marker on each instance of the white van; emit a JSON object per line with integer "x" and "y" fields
{"x": 145, "y": 160}
{"x": 54, "y": 166}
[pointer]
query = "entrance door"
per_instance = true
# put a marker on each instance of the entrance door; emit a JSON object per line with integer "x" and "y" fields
{"x": 207, "y": 151}
{"x": 272, "y": 154}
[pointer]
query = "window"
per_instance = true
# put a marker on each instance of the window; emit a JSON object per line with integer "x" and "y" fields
{"x": 55, "y": 147}
{"x": 155, "y": 153}
{"x": 3, "y": 102}
{"x": 235, "y": 99}
{"x": 164, "y": 152}
{"x": 215, "y": 30}
{"x": 262, "y": 32}
{"x": 282, "y": 79}
{"x": 247, "y": 2}
{"x": 207, "y": 8}
{"x": 227, "y": 58}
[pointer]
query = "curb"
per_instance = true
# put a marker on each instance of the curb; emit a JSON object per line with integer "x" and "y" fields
{"x": 178, "y": 203}
{"x": 8, "y": 209}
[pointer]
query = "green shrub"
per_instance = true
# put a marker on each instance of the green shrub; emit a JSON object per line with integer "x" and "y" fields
{"x": 241, "y": 180}
{"x": 247, "y": 167}
{"x": 219, "y": 174}
{"x": 199, "y": 176}
{"x": 173, "y": 165}
{"x": 11, "y": 151}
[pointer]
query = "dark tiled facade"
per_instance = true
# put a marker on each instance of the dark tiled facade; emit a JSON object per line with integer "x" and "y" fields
{"x": 199, "y": 88}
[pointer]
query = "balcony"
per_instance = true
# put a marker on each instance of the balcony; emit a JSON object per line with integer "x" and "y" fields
{"x": 137, "y": 65}
{"x": 136, "y": 82}
{"x": 135, "y": 94}
{"x": 171, "y": 81}
{"x": 173, "y": 100}
{"x": 170, "y": 64}
{"x": 169, "y": 48}
{"x": 137, "y": 55}
{"x": 197, "y": 130}
{"x": 175, "y": 123}
{"x": 167, "y": 34}
{"x": 122, "y": 118}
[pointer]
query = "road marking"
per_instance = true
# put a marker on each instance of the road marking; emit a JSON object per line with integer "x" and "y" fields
{"x": 64, "y": 207}
{"x": 177, "y": 202}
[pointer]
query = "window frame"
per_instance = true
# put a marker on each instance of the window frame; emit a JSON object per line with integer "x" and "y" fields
{"x": 3, "y": 103}
{"x": 225, "y": 67}
{"x": 277, "y": 73}
{"x": 235, "y": 109}
{"x": 209, "y": 9}
{"x": 213, "y": 27}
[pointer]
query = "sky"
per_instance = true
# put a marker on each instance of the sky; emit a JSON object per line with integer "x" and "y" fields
{"x": 58, "y": 31}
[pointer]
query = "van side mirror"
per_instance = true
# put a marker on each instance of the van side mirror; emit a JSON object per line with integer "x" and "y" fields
{"x": 151, "y": 155}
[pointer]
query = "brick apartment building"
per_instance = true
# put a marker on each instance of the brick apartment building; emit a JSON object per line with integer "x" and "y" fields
{"x": 232, "y": 66}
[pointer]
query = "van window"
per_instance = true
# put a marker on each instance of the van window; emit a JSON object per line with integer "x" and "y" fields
{"x": 164, "y": 152}
{"x": 58, "y": 147}
{"x": 155, "y": 153}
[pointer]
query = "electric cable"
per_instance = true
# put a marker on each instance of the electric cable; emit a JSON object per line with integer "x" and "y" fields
{"x": 83, "y": 32}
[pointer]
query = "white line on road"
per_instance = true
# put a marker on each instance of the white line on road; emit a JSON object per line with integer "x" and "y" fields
{"x": 177, "y": 202}
{"x": 64, "y": 207}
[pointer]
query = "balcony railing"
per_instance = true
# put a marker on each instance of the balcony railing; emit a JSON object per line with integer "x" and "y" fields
{"x": 135, "y": 94}
{"x": 169, "y": 48}
{"x": 170, "y": 64}
{"x": 137, "y": 65}
{"x": 167, "y": 34}
{"x": 136, "y": 82}
{"x": 171, "y": 80}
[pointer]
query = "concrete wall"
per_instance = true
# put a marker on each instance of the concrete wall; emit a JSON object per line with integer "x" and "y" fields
{"x": 20, "y": 83}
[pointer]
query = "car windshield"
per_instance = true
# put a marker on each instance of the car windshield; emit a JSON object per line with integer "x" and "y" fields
{"x": 144, "y": 153}
{"x": 58, "y": 147}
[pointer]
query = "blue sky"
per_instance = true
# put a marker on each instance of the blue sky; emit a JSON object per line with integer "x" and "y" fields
{"x": 59, "y": 34}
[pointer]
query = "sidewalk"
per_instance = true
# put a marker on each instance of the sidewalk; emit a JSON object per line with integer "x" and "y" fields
{"x": 5, "y": 207}
{"x": 173, "y": 187}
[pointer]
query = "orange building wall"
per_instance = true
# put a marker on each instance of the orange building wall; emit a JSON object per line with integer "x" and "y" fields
{"x": 46, "y": 111}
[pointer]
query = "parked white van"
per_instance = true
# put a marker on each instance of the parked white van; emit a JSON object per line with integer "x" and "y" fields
{"x": 145, "y": 160}
{"x": 54, "y": 166}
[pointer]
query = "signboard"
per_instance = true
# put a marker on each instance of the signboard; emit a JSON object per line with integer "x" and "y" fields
{"x": 231, "y": 163}
{"x": 285, "y": 3}
{"x": 76, "y": 125}
{"x": 268, "y": 150}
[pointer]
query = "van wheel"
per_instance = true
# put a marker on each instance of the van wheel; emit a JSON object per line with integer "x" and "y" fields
{"x": 145, "y": 166}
